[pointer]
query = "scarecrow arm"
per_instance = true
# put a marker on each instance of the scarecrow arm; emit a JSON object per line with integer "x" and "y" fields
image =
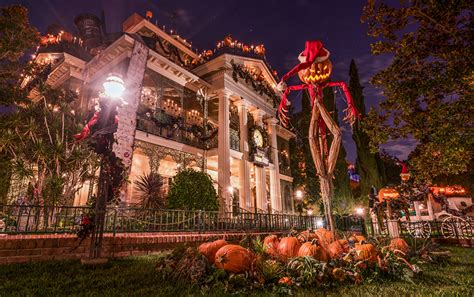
{"x": 351, "y": 112}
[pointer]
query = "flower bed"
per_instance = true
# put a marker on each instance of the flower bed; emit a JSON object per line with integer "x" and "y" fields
{"x": 309, "y": 259}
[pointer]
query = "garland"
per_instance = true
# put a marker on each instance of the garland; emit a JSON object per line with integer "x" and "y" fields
{"x": 259, "y": 84}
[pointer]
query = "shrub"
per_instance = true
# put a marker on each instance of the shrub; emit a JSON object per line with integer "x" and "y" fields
{"x": 192, "y": 190}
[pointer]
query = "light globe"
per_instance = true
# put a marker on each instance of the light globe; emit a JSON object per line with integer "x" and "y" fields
{"x": 114, "y": 86}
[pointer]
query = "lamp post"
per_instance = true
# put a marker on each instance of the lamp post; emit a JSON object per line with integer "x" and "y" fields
{"x": 107, "y": 126}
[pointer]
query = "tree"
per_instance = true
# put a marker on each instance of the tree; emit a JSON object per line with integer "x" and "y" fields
{"x": 16, "y": 38}
{"x": 192, "y": 190}
{"x": 428, "y": 85}
{"x": 368, "y": 164}
{"x": 150, "y": 188}
{"x": 38, "y": 138}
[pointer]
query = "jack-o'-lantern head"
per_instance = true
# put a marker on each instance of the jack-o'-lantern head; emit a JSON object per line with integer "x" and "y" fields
{"x": 387, "y": 194}
{"x": 318, "y": 72}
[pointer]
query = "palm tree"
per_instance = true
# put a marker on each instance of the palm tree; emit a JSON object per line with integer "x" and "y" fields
{"x": 150, "y": 188}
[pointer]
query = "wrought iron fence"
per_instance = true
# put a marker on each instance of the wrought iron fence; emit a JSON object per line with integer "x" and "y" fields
{"x": 66, "y": 219}
{"x": 449, "y": 228}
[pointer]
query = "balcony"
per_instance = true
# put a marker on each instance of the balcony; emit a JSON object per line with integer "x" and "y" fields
{"x": 176, "y": 129}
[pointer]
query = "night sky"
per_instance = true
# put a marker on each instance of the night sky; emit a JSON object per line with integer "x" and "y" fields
{"x": 282, "y": 26}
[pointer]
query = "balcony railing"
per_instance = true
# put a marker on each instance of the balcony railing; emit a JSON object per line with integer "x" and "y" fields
{"x": 183, "y": 133}
{"x": 285, "y": 170}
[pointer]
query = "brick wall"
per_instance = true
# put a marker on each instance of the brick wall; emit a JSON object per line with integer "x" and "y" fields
{"x": 34, "y": 248}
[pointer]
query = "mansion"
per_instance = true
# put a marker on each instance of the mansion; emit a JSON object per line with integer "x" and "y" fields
{"x": 213, "y": 111}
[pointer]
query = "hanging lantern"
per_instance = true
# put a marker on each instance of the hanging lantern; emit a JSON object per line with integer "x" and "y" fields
{"x": 388, "y": 194}
{"x": 228, "y": 40}
{"x": 245, "y": 48}
{"x": 260, "y": 49}
{"x": 66, "y": 36}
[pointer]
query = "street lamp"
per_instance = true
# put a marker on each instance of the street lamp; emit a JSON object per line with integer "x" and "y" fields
{"x": 114, "y": 86}
{"x": 113, "y": 90}
{"x": 299, "y": 194}
{"x": 359, "y": 211}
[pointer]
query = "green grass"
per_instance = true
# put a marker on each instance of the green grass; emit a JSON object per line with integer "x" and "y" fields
{"x": 136, "y": 276}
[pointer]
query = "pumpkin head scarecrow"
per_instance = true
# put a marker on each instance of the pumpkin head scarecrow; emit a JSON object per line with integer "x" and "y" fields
{"x": 314, "y": 71}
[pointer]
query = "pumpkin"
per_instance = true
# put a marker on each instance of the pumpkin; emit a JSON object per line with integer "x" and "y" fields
{"x": 285, "y": 281}
{"x": 318, "y": 72}
{"x": 366, "y": 252}
{"x": 388, "y": 193}
{"x": 288, "y": 247}
{"x": 209, "y": 249}
{"x": 324, "y": 236}
{"x": 306, "y": 236}
{"x": 337, "y": 248}
{"x": 66, "y": 36}
{"x": 228, "y": 40}
{"x": 338, "y": 274}
{"x": 233, "y": 258}
{"x": 313, "y": 250}
{"x": 399, "y": 244}
{"x": 357, "y": 238}
{"x": 270, "y": 244}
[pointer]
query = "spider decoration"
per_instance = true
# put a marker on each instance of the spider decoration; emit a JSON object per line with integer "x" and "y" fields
{"x": 314, "y": 71}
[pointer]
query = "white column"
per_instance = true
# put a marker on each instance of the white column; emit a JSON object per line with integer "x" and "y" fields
{"x": 416, "y": 205}
{"x": 261, "y": 188}
{"x": 224, "y": 151}
{"x": 244, "y": 170}
{"x": 275, "y": 195}
{"x": 260, "y": 180}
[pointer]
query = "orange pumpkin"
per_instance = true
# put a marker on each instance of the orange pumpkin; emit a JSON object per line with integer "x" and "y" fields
{"x": 317, "y": 73}
{"x": 337, "y": 248}
{"x": 209, "y": 249}
{"x": 270, "y": 244}
{"x": 366, "y": 252}
{"x": 357, "y": 238}
{"x": 233, "y": 258}
{"x": 288, "y": 247}
{"x": 313, "y": 250}
{"x": 285, "y": 281}
{"x": 399, "y": 244}
{"x": 387, "y": 194}
{"x": 306, "y": 236}
{"x": 324, "y": 236}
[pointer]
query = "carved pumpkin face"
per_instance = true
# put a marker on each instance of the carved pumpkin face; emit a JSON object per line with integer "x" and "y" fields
{"x": 318, "y": 72}
{"x": 387, "y": 193}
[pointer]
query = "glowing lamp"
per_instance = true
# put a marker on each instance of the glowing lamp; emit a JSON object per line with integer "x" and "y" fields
{"x": 299, "y": 194}
{"x": 319, "y": 223}
{"x": 359, "y": 211}
{"x": 114, "y": 86}
{"x": 230, "y": 189}
{"x": 310, "y": 212}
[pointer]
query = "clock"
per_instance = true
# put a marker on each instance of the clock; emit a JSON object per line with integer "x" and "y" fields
{"x": 258, "y": 138}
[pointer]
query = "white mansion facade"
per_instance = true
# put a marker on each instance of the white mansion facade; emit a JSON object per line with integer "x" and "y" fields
{"x": 214, "y": 111}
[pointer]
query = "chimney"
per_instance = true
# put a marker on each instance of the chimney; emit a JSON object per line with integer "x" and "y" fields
{"x": 90, "y": 29}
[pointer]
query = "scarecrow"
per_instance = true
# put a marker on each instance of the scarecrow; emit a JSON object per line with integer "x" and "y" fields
{"x": 314, "y": 71}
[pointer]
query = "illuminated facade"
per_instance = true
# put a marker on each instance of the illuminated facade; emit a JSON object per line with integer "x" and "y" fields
{"x": 213, "y": 111}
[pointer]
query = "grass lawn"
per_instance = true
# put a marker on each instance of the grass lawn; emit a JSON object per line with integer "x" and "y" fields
{"x": 136, "y": 276}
